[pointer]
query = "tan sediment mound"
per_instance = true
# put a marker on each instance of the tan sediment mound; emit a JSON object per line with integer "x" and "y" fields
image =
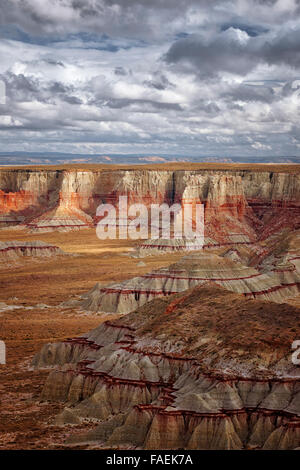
{"x": 155, "y": 246}
{"x": 233, "y": 254}
{"x": 14, "y": 250}
{"x": 206, "y": 369}
{"x": 195, "y": 269}
{"x": 61, "y": 219}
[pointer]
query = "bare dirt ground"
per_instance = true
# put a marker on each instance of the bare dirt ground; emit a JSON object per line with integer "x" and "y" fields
{"x": 26, "y": 423}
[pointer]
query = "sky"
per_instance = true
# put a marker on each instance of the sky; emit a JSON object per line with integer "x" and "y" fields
{"x": 184, "y": 77}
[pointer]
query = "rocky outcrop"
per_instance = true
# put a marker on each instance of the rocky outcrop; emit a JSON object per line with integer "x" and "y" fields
{"x": 267, "y": 272}
{"x": 238, "y": 203}
{"x": 212, "y": 370}
{"x": 156, "y": 246}
{"x": 14, "y": 250}
{"x": 152, "y": 247}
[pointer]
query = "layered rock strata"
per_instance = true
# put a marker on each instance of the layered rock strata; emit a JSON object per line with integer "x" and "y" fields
{"x": 275, "y": 278}
{"x": 14, "y": 250}
{"x": 199, "y": 370}
{"x": 61, "y": 219}
{"x": 243, "y": 204}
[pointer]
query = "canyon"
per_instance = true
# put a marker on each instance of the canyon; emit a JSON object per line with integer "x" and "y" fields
{"x": 193, "y": 347}
{"x": 240, "y": 205}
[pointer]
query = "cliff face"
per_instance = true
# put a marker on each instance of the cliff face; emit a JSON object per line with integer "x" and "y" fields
{"x": 196, "y": 371}
{"x": 246, "y": 202}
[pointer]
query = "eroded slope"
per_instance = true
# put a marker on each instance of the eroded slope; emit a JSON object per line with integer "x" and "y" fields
{"x": 200, "y": 370}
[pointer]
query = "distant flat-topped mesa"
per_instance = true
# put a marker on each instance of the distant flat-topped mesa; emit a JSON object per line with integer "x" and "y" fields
{"x": 198, "y": 370}
{"x": 248, "y": 201}
{"x": 14, "y": 250}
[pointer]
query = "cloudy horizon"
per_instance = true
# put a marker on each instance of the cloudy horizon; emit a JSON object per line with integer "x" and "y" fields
{"x": 161, "y": 77}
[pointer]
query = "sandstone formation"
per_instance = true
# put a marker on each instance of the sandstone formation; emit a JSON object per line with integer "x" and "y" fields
{"x": 240, "y": 205}
{"x": 203, "y": 369}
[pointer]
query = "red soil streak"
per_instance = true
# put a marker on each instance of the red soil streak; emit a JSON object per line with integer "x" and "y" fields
{"x": 161, "y": 355}
{"x": 293, "y": 420}
{"x": 32, "y": 225}
{"x": 172, "y": 306}
{"x": 111, "y": 290}
{"x": 83, "y": 342}
{"x": 86, "y": 371}
{"x": 170, "y": 247}
{"x": 116, "y": 325}
{"x": 234, "y": 205}
{"x": 271, "y": 289}
{"x": 295, "y": 257}
{"x": 213, "y": 375}
{"x": 137, "y": 292}
{"x": 29, "y": 248}
{"x": 281, "y": 204}
{"x": 190, "y": 278}
{"x": 221, "y": 245}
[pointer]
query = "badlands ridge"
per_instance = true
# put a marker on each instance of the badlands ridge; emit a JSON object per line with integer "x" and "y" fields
{"x": 199, "y": 370}
{"x": 201, "y": 358}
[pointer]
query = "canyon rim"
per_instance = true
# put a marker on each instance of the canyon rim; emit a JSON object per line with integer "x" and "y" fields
{"x": 150, "y": 230}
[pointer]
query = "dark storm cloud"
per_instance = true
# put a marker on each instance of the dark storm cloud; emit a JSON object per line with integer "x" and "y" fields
{"x": 266, "y": 2}
{"x": 283, "y": 49}
{"x": 54, "y": 62}
{"x": 207, "y": 107}
{"x": 55, "y": 16}
{"x": 251, "y": 93}
{"x": 22, "y": 89}
{"x": 130, "y": 18}
{"x": 234, "y": 51}
{"x": 140, "y": 105}
{"x": 159, "y": 82}
{"x": 60, "y": 91}
{"x": 120, "y": 71}
{"x": 86, "y": 8}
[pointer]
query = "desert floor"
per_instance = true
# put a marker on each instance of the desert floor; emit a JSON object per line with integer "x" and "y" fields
{"x": 26, "y": 423}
